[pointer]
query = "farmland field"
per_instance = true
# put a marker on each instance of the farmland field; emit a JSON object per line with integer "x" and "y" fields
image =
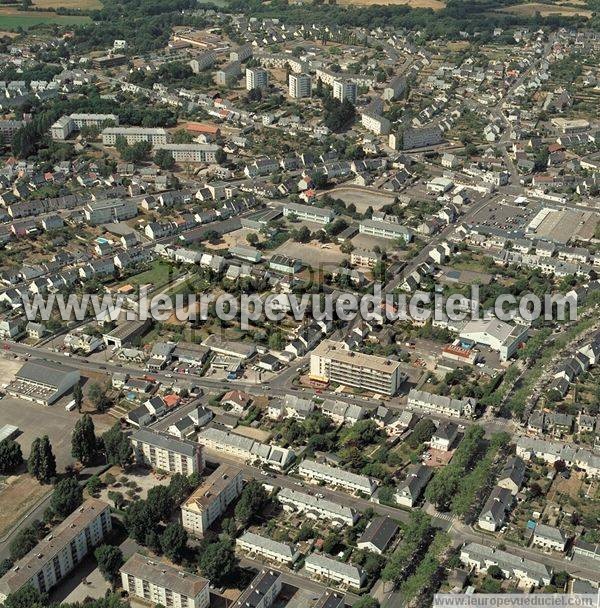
{"x": 529, "y": 9}
{"x": 84, "y": 5}
{"x": 436, "y": 5}
{"x": 11, "y": 18}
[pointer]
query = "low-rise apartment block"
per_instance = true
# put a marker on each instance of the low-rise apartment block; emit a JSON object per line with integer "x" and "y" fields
{"x": 132, "y": 135}
{"x": 54, "y": 557}
{"x": 255, "y": 544}
{"x": 161, "y": 583}
{"x": 342, "y": 573}
{"x": 332, "y": 362}
{"x": 441, "y": 404}
{"x": 108, "y": 211}
{"x": 211, "y": 499}
{"x": 386, "y": 230}
{"x": 528, "y": 572}
{"x": 167, "y": 453}
{"x": 311, "y": 469}
{"x": 316, "y": 508}
{"x": 262, "y": 592}
{"x": 245, "y": 448}
{"x": 308, "y": 213}
{"x": 191, "y": 153}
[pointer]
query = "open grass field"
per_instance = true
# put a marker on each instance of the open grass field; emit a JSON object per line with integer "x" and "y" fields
{"x": 11, "y": 18}
{"x": 435, "y": 5}
{"x": 84, "y": 5}
{"x": 531, "y": 8}
{"x": 17, "y": 496}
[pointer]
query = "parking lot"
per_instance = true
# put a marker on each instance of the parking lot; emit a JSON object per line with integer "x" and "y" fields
{"x": 36, "y": 420}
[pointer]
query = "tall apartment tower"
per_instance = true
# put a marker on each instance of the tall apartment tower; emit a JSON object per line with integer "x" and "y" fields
{"x": 256, "y": 78}
{"x": 345, "y": 89}
{"x": 300, "y": 85}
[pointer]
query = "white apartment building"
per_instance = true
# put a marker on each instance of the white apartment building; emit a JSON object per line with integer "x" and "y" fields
{"x": 480, "y": 557}
{"x": 441, "y": 404}
{"x": 262, "y": 592}
{"x": 340, "y": 572}
{"x": 66, "y": 125}
{"x": 364, "y": 258}
{"x": 308, "y": 213}
{"x": 132, "y": 135}
{"x": 333, "y": 476}
{"x": 162, "y": 583}
{"x": 375, "y": 123}
{"x": 345, "y": 89}
{"x": 385, "y": 230}
{"x": 211, "y": 499}
{"x": 245, "y": 448}
{"x": 332, "y": 362}
{"x": 167, "y": 453}
{"x": 54, "y": 557}
{"x": 107, "y": 211}
{"x": 299, "y": 85}
{"x": 256, "y": 78}
{"x": 191, "y": 153}
{"x": 255, "y": 544}
{"x": 316, "y": 508}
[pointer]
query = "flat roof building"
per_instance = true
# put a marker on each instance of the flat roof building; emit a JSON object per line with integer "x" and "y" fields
{"x": 54, "y": 557}
{"x": 262, "y": 591}
{"x": 159, "y": 582}
{"x": 211, "y": 499}
{"x": 331, "y": 361}
{"x": 335, "y": 476}
{"x": 43, "y": 382}
{"x": 167, "y": 453}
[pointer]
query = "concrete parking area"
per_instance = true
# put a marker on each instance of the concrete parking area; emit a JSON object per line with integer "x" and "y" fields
{"x": 36, "y": 420}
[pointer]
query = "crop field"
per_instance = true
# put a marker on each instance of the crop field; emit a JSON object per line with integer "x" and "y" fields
{"x": 84, "y": 5}
{"x": 531, "y": 8}
{"x": 436, "y": 5}
{"x": 11, "y": 18}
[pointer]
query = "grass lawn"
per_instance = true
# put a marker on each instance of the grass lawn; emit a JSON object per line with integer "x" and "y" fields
{"x": 18, "y": 496}
{"x": 83, "y": 5}
{"x": 159, "y": 274}
{"x": 11, "y": 19}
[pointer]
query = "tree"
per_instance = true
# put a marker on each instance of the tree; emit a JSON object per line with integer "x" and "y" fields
{"x": 220, "y": 156}
{"x": 26, "y": 597}
{"x": 366, "y": 602}
{"x": 84, "y": 445}
{"x": 173, "y": 542}
{"x": 117, "y": 447}
{"x": 159, "y": 503}
{"x": 117, "y": 498}
{"x": 252, "y": 501}
{"x": 216, "y": 560}
{"x": 164, "y": 159}
{"x": 67, "y": 496}
{"x": 41, "y": 463}
{"x": 252, "y": 239}
{"x": 93, "y": 485}
{"x": 109, "y": 559}
{"x": 5, "y": 566}
{"x": 139, "y": 521}
{"x": 11, "y": 456}
{"x": 423, "y": 431}
{"x": 24, "y": 541}
{"x": 78, "y": 396}
{"x": 495, "y": 572}
{"x": 97, "y": 395}
{"x": 179, "y": 488}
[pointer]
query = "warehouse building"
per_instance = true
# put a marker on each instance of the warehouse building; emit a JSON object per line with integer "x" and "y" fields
{"x": 43, "y": 382}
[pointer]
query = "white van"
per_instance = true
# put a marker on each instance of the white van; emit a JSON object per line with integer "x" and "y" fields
{"x": 71, "y": 406}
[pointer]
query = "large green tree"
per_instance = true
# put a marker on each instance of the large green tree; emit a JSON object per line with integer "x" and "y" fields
{"x": 11, "y": 456}
{"x": 84, "y": 445}
{"x": 216, "y": 560}
{"x": 173, "y": 542}
{"x": 67, "y": 496}
{"x": 109, "y": 559}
